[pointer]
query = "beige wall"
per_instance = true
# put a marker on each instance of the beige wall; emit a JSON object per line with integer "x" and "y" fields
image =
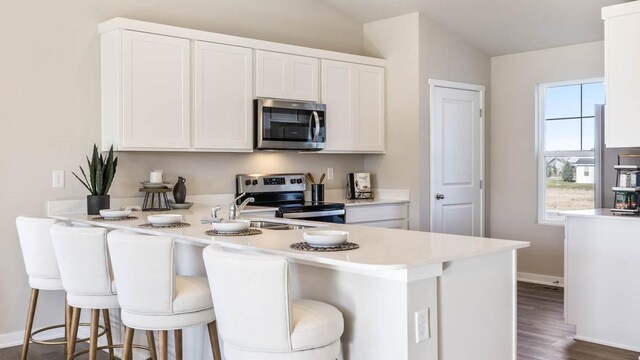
{"x": 513, "y": 148}
{"x": 416, "y": 49}
{"x": 397, "y": 40}
{"x": 50, "y": 109}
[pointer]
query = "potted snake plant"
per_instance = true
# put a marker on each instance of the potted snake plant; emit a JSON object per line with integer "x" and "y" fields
{"x": 101, "y": 172}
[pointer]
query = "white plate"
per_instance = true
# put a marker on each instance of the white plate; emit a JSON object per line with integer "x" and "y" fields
{"x": 164, "y": 219}
{"x": 325, "y": 238}
{"x": 114, "y": 214}
{"x": 231, "y": 226}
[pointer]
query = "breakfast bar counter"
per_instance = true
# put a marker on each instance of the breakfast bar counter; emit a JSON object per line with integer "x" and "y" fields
{"x": 403, "y": 294}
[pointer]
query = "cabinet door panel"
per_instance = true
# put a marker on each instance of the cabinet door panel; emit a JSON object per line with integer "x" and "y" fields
{"x": 370, "y": 108}
{"x": 156, "y": 98}
{"x": 285, "y": 76}
{"x": 304, "y": 78}
{"x": 223, "y": 97}
{"x": 354, "y": 95}
{"x": 622, "y": 79}
{"x": 271, "y": 74}
{"x": 338, "y": 96}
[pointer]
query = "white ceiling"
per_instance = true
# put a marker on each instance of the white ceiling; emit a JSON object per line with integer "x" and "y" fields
{"x": 497, "y": 26}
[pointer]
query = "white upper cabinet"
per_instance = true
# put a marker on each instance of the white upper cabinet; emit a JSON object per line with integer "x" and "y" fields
{"x": 223, "y": 83}
{"x": 286, "y": 76}
{"x": 354, "y": 95}
{"x": 622, "y": 74}
{"x": 155, "y": 91}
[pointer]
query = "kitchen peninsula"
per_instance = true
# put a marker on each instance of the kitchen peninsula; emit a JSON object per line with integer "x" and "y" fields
{"x": 464, "y": 287}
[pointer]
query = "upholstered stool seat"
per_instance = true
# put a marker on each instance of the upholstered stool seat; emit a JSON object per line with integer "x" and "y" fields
{"x": 42, "y": 269}
{"x": 153, "y": 297}
{"x": 191, "y": 305}
{"x": 258, "y": 320}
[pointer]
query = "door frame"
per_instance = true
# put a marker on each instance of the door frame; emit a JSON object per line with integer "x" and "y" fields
{"x": 433, "y": 83}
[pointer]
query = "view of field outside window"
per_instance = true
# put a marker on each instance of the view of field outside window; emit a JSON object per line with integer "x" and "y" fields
{"x": 569, "y": 145}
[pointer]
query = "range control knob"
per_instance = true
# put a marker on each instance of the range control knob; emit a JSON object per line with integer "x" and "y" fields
{"x": 254, "y": 182}
{"x": 293, "y": 181}
{"x": 299, "y": 181}
{"x": 247, "y": 182}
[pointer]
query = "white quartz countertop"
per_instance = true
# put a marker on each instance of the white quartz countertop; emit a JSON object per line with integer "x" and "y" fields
{"x": 380, "y": 249}
{"x": 602, "y": 212}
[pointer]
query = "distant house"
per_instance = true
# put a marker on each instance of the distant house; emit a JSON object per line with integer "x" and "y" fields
{"x": 585, "y": 170}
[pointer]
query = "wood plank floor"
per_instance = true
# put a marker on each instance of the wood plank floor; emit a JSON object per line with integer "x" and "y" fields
{"x": 542, "y": 333}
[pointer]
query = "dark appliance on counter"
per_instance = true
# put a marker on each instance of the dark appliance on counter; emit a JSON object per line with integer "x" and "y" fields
{"x": 286, "y": 192}
{"x": 359, "y": 186}
{"x": 289, "y": 125}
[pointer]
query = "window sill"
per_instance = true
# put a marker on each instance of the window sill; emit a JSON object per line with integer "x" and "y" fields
{"x": 559, "y": 222}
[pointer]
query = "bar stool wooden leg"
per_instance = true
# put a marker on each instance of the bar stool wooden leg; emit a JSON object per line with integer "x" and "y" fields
{"x": 213, "y": 338}
{"x": 127, "y": 352}
{"x": 93, "y": 339}
{"x": 67, "y": 323}
{"x": 107, "y": 328}
{"x": 152, "y": 345}
{"x": 73, "y": 331}
{"x": 163, "y": 344}
{"x": 27, "y": 330}
{"x": 178, "y": 336}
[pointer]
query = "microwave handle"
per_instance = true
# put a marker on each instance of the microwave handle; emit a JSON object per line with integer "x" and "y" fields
{"x": 316, "y": 130}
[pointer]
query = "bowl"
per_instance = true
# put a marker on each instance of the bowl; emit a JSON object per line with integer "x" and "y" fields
{"x": 164, "y": 219}
{"x": 114, "y": 214}
{"x": 325, "y": 238}
{"x": 231, "y": 226}
{"x": 177, "y": 206}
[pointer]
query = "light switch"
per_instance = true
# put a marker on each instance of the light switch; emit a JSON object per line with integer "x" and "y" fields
{"x": 329, "y": 173}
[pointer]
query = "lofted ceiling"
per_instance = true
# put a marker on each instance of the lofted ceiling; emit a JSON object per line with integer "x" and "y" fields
{"x": 497, "y": 27}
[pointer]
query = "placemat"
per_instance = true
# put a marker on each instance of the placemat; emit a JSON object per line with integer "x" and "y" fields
{"x": 249, "y": 231}
{"x": 100, "y": 218}
{"x": 170, "y": 226}
{"x": 303, "y": 246}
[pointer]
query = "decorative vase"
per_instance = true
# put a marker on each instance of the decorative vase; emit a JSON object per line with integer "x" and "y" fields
{"x": 95, "y": 203}
{"x": 180, "y": 191}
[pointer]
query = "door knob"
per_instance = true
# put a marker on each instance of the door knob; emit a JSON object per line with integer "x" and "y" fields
{"x": 439, "y": 196}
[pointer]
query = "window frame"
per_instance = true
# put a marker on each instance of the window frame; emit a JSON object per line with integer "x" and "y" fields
{"x": 554, "y": 217}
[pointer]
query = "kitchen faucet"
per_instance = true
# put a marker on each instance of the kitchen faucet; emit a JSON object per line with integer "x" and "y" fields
{"x": 235, "y": 209}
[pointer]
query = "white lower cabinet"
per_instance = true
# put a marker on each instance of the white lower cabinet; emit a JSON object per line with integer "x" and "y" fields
{"x": 354, "y": 95}
{"x": 150, "y": 107}
{"x": 223, "y": 80}
{"x": 379, "y": 215}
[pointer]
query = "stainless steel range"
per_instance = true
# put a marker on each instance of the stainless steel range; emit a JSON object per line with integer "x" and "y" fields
{"x": 286, "y": 192}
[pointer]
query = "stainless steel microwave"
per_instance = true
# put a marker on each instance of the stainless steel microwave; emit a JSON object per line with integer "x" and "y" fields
{"x": 289, "y": 125}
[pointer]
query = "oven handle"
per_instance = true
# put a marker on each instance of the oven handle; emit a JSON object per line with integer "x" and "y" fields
{"x": 310, "y": 214}
{"x": 316, "y": 130}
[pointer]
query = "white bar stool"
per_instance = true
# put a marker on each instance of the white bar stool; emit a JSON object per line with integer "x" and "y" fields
{"x": 42, "y": 268}
{"x": 86, "y": 275}
{"x": 153, "y": 297}
{"x": 257, "y": 319}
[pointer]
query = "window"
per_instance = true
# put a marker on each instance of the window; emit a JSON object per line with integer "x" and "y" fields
{"x": 568, "y": 141}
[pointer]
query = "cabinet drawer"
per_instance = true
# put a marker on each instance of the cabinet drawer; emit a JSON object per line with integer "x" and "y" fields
{"x": 358, "y": 214}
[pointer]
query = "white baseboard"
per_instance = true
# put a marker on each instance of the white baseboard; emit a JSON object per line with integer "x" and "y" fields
{"x": 606, "y": 343}
{"x": 541, "y": 279}
{"x": 15, "y": 338}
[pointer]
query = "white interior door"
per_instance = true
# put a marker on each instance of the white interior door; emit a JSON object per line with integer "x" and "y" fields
{"x": 456, "y": 166}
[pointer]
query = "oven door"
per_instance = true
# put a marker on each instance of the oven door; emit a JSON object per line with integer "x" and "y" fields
{"x": 289, "y": 125}
{"x": 331, "y": 216}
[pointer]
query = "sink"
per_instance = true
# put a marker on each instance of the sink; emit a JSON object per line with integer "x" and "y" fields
{"x": 277, "y": 226}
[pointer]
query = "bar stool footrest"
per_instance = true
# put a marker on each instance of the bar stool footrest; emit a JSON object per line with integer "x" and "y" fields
{"x": 60, "y": 342}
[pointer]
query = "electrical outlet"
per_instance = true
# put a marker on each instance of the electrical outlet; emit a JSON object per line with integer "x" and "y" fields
{"x": 329, "y": 173}
{"x": 58, "y": 178}
{"x": 423, "y": 332}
